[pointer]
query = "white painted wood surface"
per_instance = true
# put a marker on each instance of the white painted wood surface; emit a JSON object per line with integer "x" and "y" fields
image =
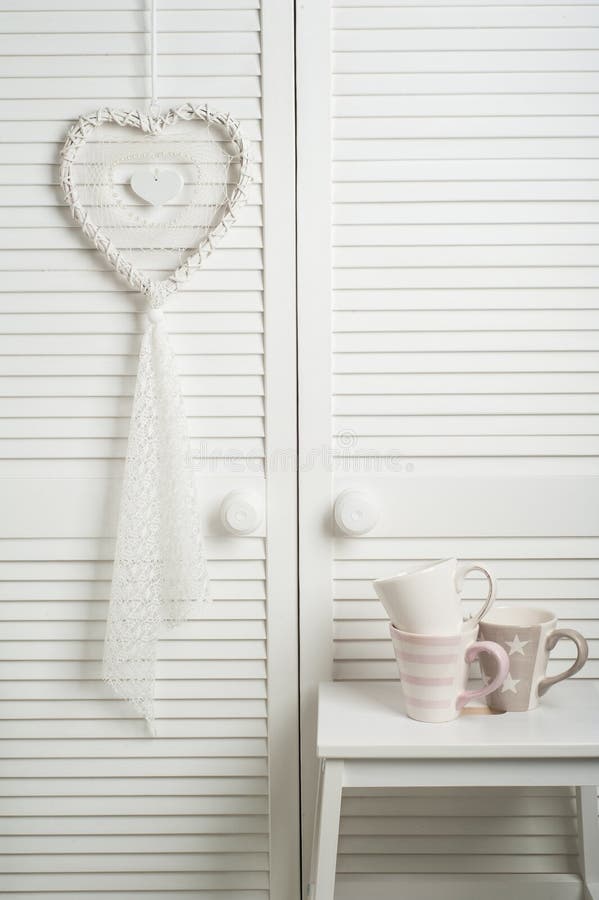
{"x": 368, "y": 721}
{"x": 365, "y": 740}
{"x": 464, "y": 332}
{"x": 314, "y": 270}
{"x": 90, "y": 806}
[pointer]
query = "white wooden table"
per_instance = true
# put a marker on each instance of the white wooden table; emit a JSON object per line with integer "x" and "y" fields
{"x": 366, "y": 740}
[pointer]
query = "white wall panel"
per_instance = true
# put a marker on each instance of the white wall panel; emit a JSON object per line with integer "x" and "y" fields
{"x": 465, "y": 359}
{"x": 90, "y": 806}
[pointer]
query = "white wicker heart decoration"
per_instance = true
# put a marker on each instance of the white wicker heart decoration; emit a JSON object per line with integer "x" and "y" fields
{"x": 115, "y": 243}
{"x": 160, "y": 569}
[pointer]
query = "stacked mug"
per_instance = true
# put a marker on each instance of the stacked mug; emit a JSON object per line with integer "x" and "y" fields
{"x": 434, "y": 644}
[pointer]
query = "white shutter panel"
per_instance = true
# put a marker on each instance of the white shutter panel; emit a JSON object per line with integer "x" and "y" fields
{"x": 92, "y": 807}
{"x": 465, "y": 352}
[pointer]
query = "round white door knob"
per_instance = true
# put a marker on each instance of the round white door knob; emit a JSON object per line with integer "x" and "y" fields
{"x": 356, "y": 512}
{"x": 241, "y": 512}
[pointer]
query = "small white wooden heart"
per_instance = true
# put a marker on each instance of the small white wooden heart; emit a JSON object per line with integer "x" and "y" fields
{"x": 156, "y": 186}
{"x": 154, "y": 125}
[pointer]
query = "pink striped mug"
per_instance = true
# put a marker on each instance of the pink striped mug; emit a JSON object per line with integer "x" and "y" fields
{"x": 434, "y": 671}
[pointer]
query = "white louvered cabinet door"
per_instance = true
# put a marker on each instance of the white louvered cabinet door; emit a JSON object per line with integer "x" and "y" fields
{"x": 90, "y": 806}
{"x": 453, "y": 306}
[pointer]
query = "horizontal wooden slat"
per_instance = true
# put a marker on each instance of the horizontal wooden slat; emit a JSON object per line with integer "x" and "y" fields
{"x": 46, "y": 195}
{"x": 451, "y": 383}
{"x": 160, "y": 862}
{"x": 144, "y": 824}
{"x": 166, "y": 894}
{"x": 466, "y": 320}
{"x": 133, "y": 768}
{"x": 95, "y": 590}
{"x": 103, "y": 303}
{"x": 488, "y": 83}
{"x": 168, "y": 649}
{"x": 60, "y": 238}
{"x": 127, "y": 21}
{"x": 113, "y": 468}
{"x": 63, "y": 386}
{"x": 497, "y": 298}
{"x": 116, "y": 408}
{"x": 61, "y": 109}
{"x": 114, "y": 367}
{"x": 471, "y": 361}
{"x": 354, "y": 555}
{"x": 160, "y": 843}
{"x": 41, "y": 788}
{"x": 460, "y": 804}
{"x": 100, "y": 280}
{"x": 393, "y": 62}
{"x": 118, "y": 882}
{"x": 137, "y": 749}
{"x": 41, "y": 806}
{"x": 159, "y": 262}
{"x": 235, "y": 550}
{"x": 479, "y": 446}
{"x": 134, "y": 86}
{"x": 130, "y": 727}
{"x": 463, "y": 170}
{"x": 63, "y": 449}
{"x": 231, "y": 64}
{"x": 477, "y": 235}
{"x": 465, "y": 38}
{"x": 364, "y": 223}
{"x": 449, "y": 424}
{"x": 213, "y": 618}
{"x": 59, "y": 225}
{"x": 495, "y": 256}
{"x": 77, "y": 631}
{"x": 549, "y": 190}
{"x": 128, "y": 322}
{"x": 521, "y": 16}
{"x": 134, "y": 5}
{"x": 383, "y": 3}
{"x": 422, "y": 406}
{"x": 165, "y": 668}
{"x": 444, "y": 863}
{"x": 412, "y": 277}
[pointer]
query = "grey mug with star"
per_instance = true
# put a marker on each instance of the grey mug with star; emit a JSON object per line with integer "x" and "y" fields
{"x": 528, "y": 635}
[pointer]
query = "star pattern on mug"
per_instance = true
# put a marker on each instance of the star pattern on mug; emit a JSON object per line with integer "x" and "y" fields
{"x": 510, "y": 684}
{"x": 516, "y": 645}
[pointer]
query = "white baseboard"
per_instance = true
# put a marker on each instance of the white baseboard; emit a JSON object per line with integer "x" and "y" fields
{"x": 458, "y": 887}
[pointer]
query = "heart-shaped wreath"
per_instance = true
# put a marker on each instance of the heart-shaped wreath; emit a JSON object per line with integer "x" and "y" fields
{"x": 155, "y": 125}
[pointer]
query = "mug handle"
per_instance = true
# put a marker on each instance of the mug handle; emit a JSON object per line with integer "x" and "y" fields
{"x": 583, "y": 654}
{"x": 460, "y": 574}
{"x": 503, "y": 667}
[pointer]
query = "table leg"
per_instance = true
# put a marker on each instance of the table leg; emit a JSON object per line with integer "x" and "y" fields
{"x": 316, "y": 828}
{"x": 588, "y": 839}
{"x": 327, "y": 823}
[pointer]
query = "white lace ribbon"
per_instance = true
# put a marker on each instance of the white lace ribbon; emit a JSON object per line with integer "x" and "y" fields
{"x": 160, "y": 565}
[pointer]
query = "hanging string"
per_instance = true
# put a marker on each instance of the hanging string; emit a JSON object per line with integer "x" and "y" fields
{"x": 153, "y": 58}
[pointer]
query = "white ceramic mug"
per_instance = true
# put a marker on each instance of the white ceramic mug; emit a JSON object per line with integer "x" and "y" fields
{"x": 434, "y": 670}
{"x": 427, "y": 600}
